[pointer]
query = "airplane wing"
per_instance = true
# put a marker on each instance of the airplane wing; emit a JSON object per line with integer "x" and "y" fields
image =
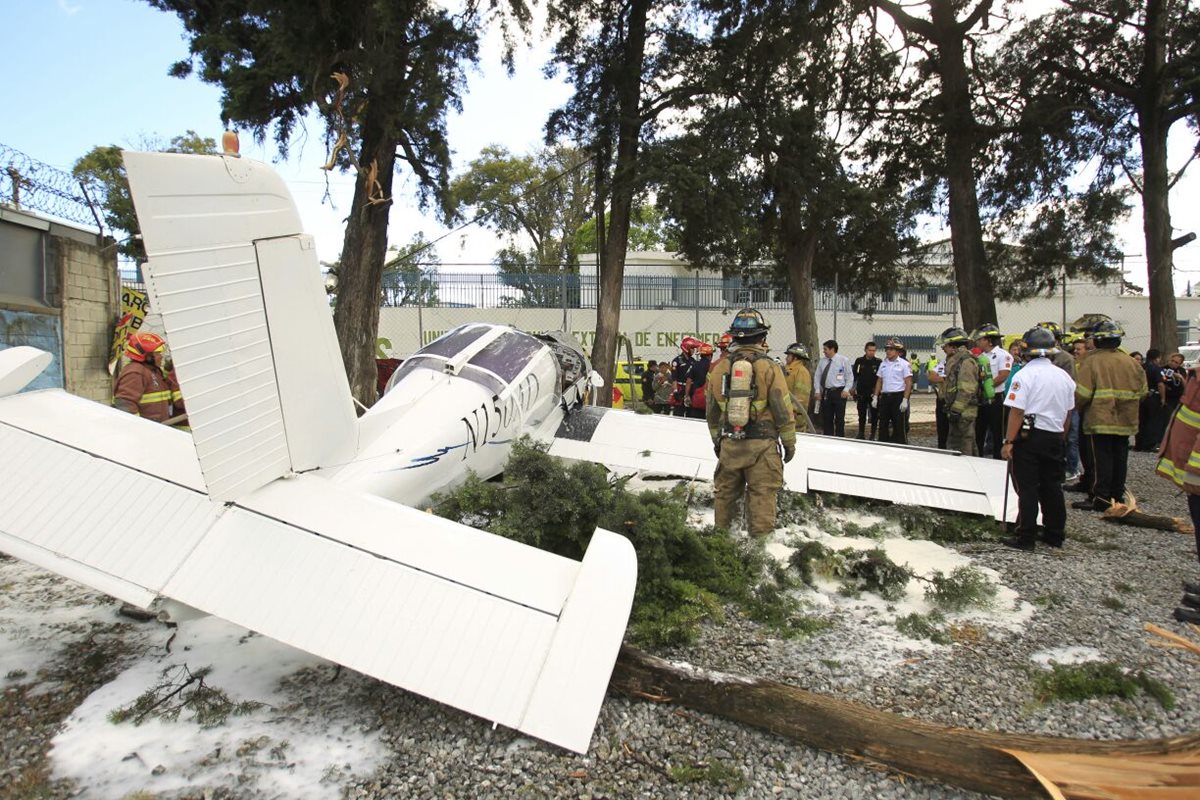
{"x": 507, "y": 632}
{"x": 629, "y": 442}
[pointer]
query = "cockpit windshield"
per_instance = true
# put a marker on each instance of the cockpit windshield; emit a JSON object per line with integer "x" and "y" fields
{"x": 507, "y": 355}
{"x": 494, "y": 366}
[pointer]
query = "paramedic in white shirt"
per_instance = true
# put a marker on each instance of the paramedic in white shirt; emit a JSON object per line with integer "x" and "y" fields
{"x": 892, "y": 388}
{"x": 1039, "y": 404}
{"x": 991, "y": 416}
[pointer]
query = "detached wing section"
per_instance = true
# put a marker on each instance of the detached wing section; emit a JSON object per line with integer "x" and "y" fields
{"x": 246, "y": 316}
{"x": 513, "y": 634}
{"x": 630, "y": 442}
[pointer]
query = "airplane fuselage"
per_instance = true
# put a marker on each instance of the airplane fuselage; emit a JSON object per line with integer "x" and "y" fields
{"x": 458, "y": 404}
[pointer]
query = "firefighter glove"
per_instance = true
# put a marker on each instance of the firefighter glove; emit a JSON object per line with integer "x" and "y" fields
{"x": 789, "y": 451}
{"x": 904, "y": 405}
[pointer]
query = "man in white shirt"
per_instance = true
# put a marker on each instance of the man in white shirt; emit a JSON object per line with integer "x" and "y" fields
{"x": 832, "y": 388}
{"x": 892, "y": 388}
{"x": 1039, "y": 406}
{"x": 990, "y": 422}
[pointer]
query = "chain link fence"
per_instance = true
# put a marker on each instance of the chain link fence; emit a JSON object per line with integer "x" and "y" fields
{"x": 29, "y": 184}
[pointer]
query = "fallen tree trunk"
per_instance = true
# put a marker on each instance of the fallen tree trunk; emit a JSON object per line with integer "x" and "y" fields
{"x": 969, "y": 759}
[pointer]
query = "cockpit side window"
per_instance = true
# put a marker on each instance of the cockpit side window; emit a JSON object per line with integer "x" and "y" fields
{"x": 412, "y": 364}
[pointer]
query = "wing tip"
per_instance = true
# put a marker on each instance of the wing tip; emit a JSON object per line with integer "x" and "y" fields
{"x": 566, "y": 700}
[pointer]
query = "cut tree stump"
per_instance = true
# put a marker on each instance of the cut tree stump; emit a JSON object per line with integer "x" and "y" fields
{"x": 970, "y": 759}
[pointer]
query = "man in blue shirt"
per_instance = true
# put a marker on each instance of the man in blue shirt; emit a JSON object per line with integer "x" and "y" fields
{"x": 832, "y": 389}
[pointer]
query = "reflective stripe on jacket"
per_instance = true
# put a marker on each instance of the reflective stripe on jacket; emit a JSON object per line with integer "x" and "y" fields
{"x": 143, "y": 390}
{"x": 1179, "y": 459}
{"x": 1109, "y": 387}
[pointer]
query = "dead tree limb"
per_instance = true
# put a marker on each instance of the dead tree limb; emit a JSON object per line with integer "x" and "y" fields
{"x": 969, "y": 759}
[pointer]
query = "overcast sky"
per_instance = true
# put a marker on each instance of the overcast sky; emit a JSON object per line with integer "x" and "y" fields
{"x": 80, "y": 73}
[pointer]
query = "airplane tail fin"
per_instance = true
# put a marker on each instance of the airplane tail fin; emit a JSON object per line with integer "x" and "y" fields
{"x": 247, "y": 320}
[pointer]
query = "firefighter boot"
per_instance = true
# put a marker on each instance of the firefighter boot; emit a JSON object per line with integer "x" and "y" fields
{"x": 1185, "y": 614}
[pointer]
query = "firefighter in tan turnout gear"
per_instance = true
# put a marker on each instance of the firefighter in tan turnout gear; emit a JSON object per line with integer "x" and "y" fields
{"x": 749, "y": 414}
{"x": 799, "y": 383}
{"x": 960, "y": 390}
{"x": 1109, "y": 387}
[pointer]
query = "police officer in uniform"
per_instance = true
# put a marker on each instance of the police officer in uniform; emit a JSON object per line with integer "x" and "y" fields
{"x": 799, "y": 383}
{"x": 893, "y": 385}
{"x": 960, "y": 390}
{"x": 748, "y": 457}
{"x": 1109, "y": 389}
{"x": 1039, "y": 404}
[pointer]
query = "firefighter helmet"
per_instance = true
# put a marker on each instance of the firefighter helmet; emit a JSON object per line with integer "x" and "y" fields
{"x": 748, "y": 324}
{"x": 140, "y": 346}
{"x": 1038, "y": 342}
{"x": 798, "y": 350}
{"x": 724, "y": 341}
{"x": 1088, "y": 322}
{"x": 893, "y": 343}
{"x": 1054, "y": 328}
{"x": 989, "y": 330}
{"x": 1106, "y": 331}
{"x": 689, "y": 343}
{"x": 705, "y": 349}
{"x": 954, "y": 336}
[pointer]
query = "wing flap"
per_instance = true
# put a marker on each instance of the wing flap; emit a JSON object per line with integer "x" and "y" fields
{"x": 324, "y": 597}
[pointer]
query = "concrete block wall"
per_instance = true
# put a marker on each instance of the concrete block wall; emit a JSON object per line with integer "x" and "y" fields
{"x": 91, "y": 293}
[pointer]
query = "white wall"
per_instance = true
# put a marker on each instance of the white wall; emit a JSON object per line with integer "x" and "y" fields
{"x": 654, "y": 333}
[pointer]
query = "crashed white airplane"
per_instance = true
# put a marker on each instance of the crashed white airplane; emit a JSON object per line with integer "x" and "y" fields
{"x": 286, "y": 514}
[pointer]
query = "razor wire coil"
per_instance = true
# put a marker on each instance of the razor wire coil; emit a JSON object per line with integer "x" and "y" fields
{"x": 32, "y": 185}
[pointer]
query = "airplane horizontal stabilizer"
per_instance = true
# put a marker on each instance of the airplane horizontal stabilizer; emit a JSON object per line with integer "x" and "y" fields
{"x": 630, "y": 442}
{"x": 513, "y": 634}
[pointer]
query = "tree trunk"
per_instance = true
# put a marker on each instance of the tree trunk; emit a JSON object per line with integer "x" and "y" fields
{"x": 799, "y": 249}
{"x": 612, "y": 260}
{"x": 1156, "y": 213}
{"x": 1156, "y": 224}
{"x": 973, "y": 760}
{"x": 360, "y": 277}
{"x": 958, "y": 127}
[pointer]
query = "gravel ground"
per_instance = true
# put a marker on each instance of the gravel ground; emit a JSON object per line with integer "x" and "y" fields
{"x": 1096, "y": 593}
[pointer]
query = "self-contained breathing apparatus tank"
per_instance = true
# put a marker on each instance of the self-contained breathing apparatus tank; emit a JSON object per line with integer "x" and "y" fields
{"x": 739, "y": 395}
